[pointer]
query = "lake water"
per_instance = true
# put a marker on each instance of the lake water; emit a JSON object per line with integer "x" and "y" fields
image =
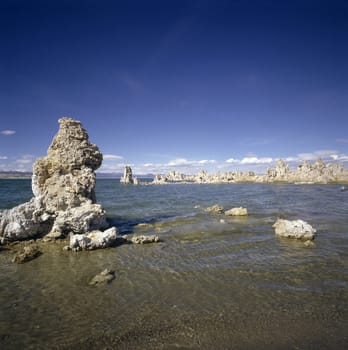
{"x": 214, "y": 282}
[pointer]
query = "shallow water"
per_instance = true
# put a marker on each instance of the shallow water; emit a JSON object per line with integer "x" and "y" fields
{"x": 214, "y": 282}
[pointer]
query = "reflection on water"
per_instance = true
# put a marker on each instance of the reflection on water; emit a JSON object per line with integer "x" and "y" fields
{"x": 209, "y": 284}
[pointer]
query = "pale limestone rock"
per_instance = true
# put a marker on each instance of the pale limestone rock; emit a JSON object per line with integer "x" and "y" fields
{"x": 128, "y": 177}
{"x": 237, "y": 212}
{"x": 87, "y": 217}
{"x": 297, "y": 229}
{"x": 24, "y": 221}
{"x": 93, "y": 240}
{"x": 63, "y": 185}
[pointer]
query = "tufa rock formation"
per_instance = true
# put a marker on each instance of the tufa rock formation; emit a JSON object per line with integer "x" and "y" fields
{"x": 63, "y": 185}
{"x": 317, "y": 172}
{"x": 128, "y": 177}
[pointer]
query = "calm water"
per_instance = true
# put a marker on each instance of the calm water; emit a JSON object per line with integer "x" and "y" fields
{"x": 209, "y": 284}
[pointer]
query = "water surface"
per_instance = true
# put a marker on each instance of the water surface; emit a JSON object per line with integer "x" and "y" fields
{"x": 214, "y": 282}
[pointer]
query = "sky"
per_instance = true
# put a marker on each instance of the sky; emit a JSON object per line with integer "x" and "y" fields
{"x": 178, "y": 85}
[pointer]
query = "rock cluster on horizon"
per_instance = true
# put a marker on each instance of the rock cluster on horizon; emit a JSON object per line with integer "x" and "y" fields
{"x": 317, "y": 172}
{"x": 63, "y": 184}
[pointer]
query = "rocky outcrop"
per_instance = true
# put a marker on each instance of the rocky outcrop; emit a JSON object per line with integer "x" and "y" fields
{"x": 63, "y": 185}
{"x": 317, "y": 172}
{"x": 128, "y": 177}
{"x": 297, "y": 229}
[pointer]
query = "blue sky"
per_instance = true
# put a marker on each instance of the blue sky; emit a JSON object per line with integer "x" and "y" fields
{"x": 185, "y": 85}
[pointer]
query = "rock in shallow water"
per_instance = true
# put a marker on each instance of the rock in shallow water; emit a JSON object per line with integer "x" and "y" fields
{"x": 237, "y": 212}
{"x": 63, "y": 184}
{"x": 145, "y": 239}
{"x": 106, "y": 276}
{"x": 215, "y": 209}
{"x": 93, "y": 240}
{"x": 28, "y": 253}
{"x": 297, "y": 229}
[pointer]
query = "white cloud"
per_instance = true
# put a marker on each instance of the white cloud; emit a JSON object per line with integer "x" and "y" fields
{"x": 232, "y": 160}
{"x": 255, "y": 160}
{"x": 207, "y": 161}
{"x": 112, "y": 157}
{"x": 250, "y": 160}
{"x": 3, "y": 157}
{"x": 179, "y": 162}
{"x": 7, "y": 132}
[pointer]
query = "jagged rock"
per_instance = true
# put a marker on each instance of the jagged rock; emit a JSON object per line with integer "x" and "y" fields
{"x": 24, "y": 221}
{"x": 237, "y": 212}
{"x": 145, "y": 239}
{"x": 87, "y": 217}
{"x": 298, "y": 229}
{"x": 93, "y": 240}
{"x": 215, "y": 209}
{"x": 128, "y": 177}
{"x": 106, "y": 276}
{"x": 63, "y": 185}
{"x": 28, "y": 253}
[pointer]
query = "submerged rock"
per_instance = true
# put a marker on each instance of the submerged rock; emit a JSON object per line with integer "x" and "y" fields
{"x": 93, "y": 240}
{"x": 215, "y": 209}
{"x": 28, "y": 253}
{"x": 63, "y": 184}
{"x": 145, "y": 239}
{"x": 106, "y": 276}
{"x": 237, "y": 212}
{"x": 297, "y": 229}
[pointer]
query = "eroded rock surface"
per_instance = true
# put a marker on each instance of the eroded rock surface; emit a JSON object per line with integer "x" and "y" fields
{"x": 145, "y": 239}
{"x": 297, "y": 229}
{"x": 93, "y": 240}
{"x": 63, "y": 185}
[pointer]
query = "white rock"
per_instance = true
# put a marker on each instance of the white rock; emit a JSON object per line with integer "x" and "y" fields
{"x": 93, "y": 240}
{"x": 298, "y": 229}
{"x": 237, "y": 212}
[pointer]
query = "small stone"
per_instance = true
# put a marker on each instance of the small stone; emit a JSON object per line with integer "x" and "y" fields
{"x": 28, "y": 253}
{"x": 215, "y": 209}
{"x": 104, "y": 277}
{"x": 309, "y": 244}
